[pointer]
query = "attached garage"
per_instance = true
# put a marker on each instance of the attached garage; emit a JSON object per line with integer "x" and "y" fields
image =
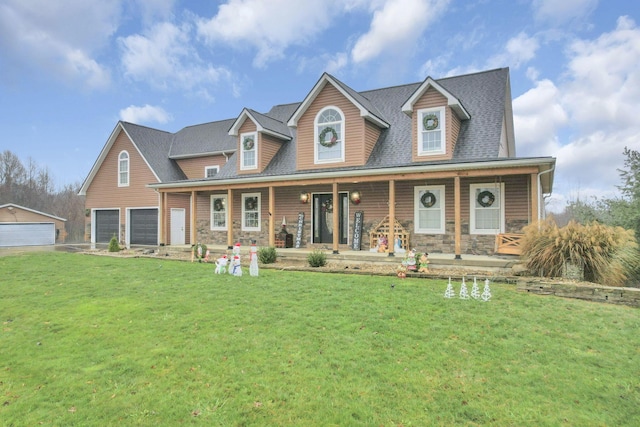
{"x": 107, "y": 225}
{"x": 143, "y": 225}
{"x": 20, "y": 226}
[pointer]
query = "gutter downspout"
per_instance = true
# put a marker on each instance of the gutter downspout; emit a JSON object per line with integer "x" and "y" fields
{"x": 540, "y": 205}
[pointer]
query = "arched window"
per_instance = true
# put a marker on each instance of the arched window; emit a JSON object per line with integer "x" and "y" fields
{"x": 123, "y": 169}
{"x": 329, "y": 136}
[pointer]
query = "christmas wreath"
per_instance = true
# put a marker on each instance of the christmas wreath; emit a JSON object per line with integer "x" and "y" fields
{"x": 218, "y": 205}
{"x": 428, "y": 199}
{"x": 430, "y": 122}
{"x": 248, "y": 143}
{"x": 200, "y": 251}
{"x": 250, "y": 203}
{"x": 486, "y": 198}
{"x": 334, "y": 137}
{"x": 328, "y": 205}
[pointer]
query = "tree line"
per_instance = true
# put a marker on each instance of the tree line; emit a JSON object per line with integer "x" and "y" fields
{"x": 32, "y": 186}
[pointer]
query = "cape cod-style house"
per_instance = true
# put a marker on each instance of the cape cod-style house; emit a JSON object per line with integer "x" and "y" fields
{"x": 429, "y": 165}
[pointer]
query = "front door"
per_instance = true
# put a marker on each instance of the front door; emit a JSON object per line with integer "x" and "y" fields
{"x": 323, "y": 226}
{"x": 177, "y": 226}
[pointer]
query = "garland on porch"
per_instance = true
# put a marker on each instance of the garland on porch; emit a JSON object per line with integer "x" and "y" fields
{"x": 486, "y": 198}
{"x": 248, "y": 143}
{"x": 430, "y": 121}
{"x": 428, "y": 199}
{"x": 334, "y": 137}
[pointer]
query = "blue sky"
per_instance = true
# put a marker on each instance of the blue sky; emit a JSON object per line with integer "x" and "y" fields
{"x": 70, "y": 69}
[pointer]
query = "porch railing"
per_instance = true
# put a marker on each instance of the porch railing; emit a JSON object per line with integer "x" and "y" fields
{"x": 509, "y": 243}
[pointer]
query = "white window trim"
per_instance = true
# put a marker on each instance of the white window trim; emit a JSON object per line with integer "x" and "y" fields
{"x": 120, "y": 171}
{"x": 208, "y": 168}
{"x": 316, "y": 135}
{"x": 242, "y": 151}
{"x": 418, "y": 207}
{"x": 244, "y": 223}
{"x": 443, "y": 127}
{"x": 226, "y": 212}
{"x": 472, "y": 208}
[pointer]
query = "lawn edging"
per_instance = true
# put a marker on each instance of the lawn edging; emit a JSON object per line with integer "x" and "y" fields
{"x": 581, "y": 290}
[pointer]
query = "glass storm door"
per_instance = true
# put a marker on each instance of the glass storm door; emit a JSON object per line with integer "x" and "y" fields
{"x": 323, "y": 226}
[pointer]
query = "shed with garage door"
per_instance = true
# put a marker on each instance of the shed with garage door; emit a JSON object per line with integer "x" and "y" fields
{"x": 21, "y": 226}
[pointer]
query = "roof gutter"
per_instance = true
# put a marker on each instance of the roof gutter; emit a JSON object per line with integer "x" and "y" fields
{"x": 352, "y": 174}
{"x": 211, "y": 153}
{"x": 541, "y": 214}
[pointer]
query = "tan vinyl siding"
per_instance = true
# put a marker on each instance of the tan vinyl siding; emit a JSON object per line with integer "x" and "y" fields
{"x": 104, "y": 191}
{"x": 179, "y": 201}
{"x": 195, "y": 168}
{"x": 432, "y": 99}
{"x": 371, "y": 136}
{"x": 268, "y": 147}
{"x": 353, "y": 133}
{"x": 247, "y": 127}
{"x": 453, "y": 130}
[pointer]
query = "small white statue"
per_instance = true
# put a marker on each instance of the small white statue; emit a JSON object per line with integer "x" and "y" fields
{"x": 221, "y": 264}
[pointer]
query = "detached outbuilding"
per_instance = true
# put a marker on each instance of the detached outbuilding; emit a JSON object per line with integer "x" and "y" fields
{"x": 20, "y": 226}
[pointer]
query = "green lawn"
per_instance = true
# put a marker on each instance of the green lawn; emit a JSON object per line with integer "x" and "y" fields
{"x": 99, "y": 341}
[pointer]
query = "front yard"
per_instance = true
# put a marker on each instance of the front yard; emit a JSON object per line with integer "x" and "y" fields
{"x": 94, "y": 341}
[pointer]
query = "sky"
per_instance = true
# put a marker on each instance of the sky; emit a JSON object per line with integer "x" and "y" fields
{"x": 70, "y": 69}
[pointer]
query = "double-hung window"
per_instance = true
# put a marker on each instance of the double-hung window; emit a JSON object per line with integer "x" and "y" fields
{"x": 487, "y": 208}
{"x": 251, "y": 211}
{"x": 123, "y": 169}
{"x": 429, "y": 212}
{"x": 249, "y": 151}
{"x": 431, "y": 131}
{"x": 219, "y": 212}
{"x": 329, "y": 136}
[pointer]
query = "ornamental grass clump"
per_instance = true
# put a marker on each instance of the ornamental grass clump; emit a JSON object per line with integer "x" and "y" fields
{"x": 267, "y": 255}
{"x": 317, "y": 258}
{"x": 603, "y": 254}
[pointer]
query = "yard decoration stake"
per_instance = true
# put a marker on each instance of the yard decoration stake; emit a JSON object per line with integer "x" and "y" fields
{"x": 253, "y": 258}
{"x": 464, "y": 293}
{"x": 449, "y": 293}
{"x": 221, "y": 265}
{"x": 486, "y": 293}
{"x": 475, "y": 290}
{"x": 235, "y": 269}
{"x": 235, "y": 256}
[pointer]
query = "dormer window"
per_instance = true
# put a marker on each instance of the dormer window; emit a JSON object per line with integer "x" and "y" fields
{"x": 248, "y": 151}
{"x": 431, "y": 131}
{"x": 329, "y": 136}
{"x": 211, "y": 171}
{"x": 123, "y": 169}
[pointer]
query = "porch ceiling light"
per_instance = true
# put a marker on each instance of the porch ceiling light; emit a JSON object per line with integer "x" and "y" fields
{"x": 304, "y": 197}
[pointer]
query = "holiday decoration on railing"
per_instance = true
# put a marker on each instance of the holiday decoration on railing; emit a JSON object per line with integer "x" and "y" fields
{"x": 334, "y": 137}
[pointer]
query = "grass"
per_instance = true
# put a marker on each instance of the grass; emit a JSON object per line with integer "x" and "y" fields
{"x": 99, "y": 341}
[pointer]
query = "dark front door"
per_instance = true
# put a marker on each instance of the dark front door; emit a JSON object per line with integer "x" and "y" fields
{"x": 323, "y": 226}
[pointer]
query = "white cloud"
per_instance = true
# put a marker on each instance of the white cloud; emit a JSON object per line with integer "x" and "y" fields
{"x": 165, "y": 58}
{"x": 518, "y": 51}
{"x": 558, "y": 12}
{"x": 145, "y": 114}
{"x": 58, "y": 37}
{"x": 396, "y": 23}
{"x": 270, "y": 27}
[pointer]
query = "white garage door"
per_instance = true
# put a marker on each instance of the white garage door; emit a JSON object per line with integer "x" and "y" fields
{"x": 27, "y": 234}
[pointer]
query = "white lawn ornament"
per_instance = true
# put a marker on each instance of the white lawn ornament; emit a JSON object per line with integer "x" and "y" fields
{"x": 449, "y": 293}
{"x": 221, "y": 264}
{"x": 486, "y": 293}
{"x": 475, "y": 290}
{"x": 235, "y": 266}
{"x": 253, "y": 258}
{"x": 464, "y": 293}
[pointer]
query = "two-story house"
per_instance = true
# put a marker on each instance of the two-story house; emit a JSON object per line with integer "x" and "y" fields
{"x": 436, "y": 157}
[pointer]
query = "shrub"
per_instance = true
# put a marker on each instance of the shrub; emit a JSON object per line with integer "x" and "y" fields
{"x": 114, "y": 246}
{"x": 317, "y": 258}
{"x": 603, "y": 254}
{"x": 267, "y": 255}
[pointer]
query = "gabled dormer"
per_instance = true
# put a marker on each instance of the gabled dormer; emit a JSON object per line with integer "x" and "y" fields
{"x": 336, "y": 126}
{"x": 436, "y": 116}
{"x": 259, "y": 139}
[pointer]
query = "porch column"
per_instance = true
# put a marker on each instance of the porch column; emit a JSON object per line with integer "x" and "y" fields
{"x": 272, "y": 215}
{"x": 392, "y": 217}
{"x": 160, "y": 218}
{"x": 194, "y": 212}
{"x": 535, "y": 199}
{"x": 229, "y": 219}
{"x": 336, "y": 218}
{"x": 457, "y": 219}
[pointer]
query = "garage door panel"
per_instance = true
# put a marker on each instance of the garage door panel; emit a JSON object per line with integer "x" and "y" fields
{"x": 144, "y": 226}
{"x": 107, "y": 225}
{"x": 27, "y": 234}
